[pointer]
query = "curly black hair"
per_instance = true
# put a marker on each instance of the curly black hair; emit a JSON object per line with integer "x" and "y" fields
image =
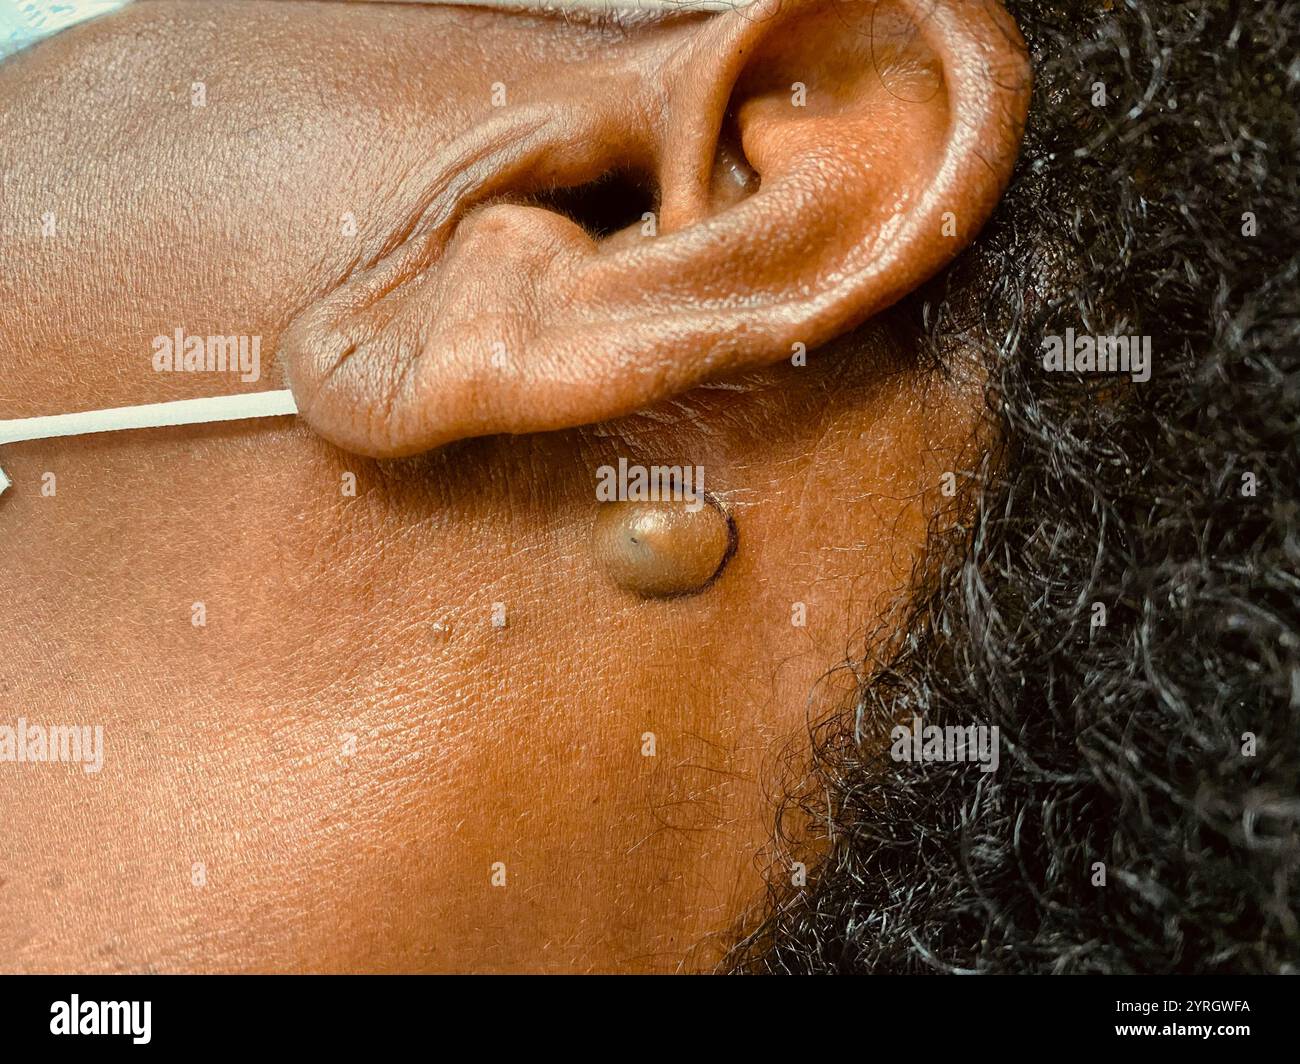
{"x": 1145, "y": 816}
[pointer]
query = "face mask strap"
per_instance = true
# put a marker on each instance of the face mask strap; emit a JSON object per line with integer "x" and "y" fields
{"x": 149, "y": 416}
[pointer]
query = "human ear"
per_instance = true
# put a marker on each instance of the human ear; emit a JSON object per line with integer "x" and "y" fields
{"x": 813, "y": 161}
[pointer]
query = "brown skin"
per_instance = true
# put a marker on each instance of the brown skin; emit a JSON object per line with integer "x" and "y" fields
{"x": 371, "y": 617}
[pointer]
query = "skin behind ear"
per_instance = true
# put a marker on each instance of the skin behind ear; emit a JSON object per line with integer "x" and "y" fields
{"x": 815, "y": 160}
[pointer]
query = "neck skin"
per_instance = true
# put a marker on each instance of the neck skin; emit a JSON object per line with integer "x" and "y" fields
{"x": 349, "y": 745}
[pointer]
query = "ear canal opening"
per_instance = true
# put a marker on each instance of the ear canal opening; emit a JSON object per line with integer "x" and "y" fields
{"x": 734, "y": 178}
{"x": 611, "y": 203}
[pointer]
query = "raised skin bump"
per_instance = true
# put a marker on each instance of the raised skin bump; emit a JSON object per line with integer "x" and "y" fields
{"x": 662, "y": 549}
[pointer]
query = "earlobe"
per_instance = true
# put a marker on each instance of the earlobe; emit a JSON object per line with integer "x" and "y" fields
{"x": 815, "y": 160}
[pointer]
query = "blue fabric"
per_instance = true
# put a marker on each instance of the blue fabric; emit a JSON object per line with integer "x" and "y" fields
{"x": 24, "y": 22}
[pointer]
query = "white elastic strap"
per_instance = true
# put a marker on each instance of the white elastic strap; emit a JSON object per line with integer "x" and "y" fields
{"x": 149, "y": 416}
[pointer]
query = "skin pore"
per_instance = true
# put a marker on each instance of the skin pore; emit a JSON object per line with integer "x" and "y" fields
{"x": 323, "y": 776}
